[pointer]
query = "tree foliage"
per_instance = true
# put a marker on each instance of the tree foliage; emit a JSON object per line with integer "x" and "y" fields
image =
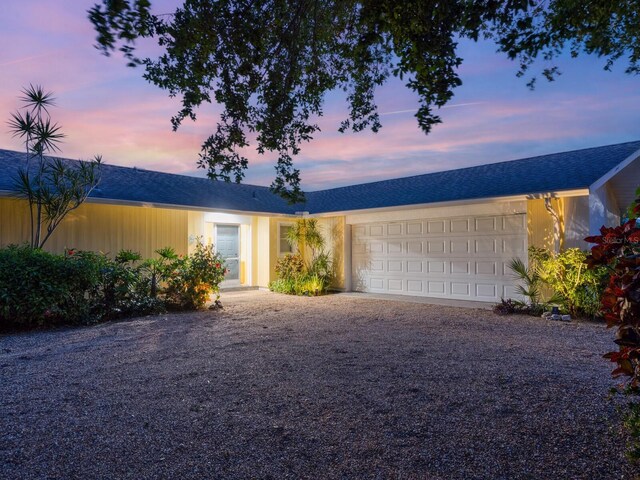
{"x": 53, "y": 187}
{"x": 269, "y": 63}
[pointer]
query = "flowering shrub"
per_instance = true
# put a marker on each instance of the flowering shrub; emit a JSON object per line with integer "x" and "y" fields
{"x": 193, "y": 279}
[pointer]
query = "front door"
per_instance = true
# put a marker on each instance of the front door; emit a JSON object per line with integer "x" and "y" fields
{"x": 228, "y": 246}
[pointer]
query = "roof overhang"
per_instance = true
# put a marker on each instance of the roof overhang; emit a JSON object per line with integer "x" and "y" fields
{"x": 513, "y": 198}
{"x": 131, "y": 203}
{"x": 615, "y": 170}
{"x": 528, "y": 196}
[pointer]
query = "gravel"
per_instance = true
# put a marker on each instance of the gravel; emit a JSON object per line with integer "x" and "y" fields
{"x": 339, "y": 386}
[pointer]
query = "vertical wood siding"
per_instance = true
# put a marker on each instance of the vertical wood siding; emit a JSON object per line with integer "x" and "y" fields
{"x": 106, "y": 228}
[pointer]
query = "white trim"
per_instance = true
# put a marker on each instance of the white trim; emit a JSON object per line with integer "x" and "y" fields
{"x": 230, "y": 283}
{"x": 621, "y": 166}
{"x": 414, "y": 206}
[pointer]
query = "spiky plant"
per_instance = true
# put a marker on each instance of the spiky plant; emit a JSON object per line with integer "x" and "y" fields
{"x": 52, "y": 186}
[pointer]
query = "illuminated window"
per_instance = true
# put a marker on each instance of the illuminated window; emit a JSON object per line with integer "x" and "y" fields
{"x": 284, "y": 246}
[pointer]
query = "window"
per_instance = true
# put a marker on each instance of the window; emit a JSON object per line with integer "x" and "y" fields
{"x": 284, "y": 246}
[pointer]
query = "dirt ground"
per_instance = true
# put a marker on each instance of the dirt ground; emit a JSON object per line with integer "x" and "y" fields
{"x": 338, "y": 386}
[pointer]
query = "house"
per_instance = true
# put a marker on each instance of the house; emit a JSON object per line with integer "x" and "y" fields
{"x": 449, "y": 234}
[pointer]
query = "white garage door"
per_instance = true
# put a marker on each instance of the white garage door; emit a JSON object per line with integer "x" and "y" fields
{"x": 462, "y": 257}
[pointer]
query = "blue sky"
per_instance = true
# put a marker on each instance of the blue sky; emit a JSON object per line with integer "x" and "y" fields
{"x": 106, "y": 108}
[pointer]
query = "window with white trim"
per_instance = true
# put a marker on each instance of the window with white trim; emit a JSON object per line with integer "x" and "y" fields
{"x": 284, "y": 246}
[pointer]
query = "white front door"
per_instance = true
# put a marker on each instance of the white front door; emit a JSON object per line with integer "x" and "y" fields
{"x": 228, "y": 246}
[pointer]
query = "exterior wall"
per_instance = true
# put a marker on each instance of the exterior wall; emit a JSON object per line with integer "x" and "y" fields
{"x": 273, "y": 244}
{"x": 261, "y": 264}
{"x": 603, "y": 209}
{"x": 196, "y": 229}
{"x": 540, "y": 223}
{"x": 333, "y": 231}
{"x": 106, "y": 228}
{"x": 576, "y": 222}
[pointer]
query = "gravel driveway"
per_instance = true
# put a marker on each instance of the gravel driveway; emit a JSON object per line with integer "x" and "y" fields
{"x": 330, "y": 387}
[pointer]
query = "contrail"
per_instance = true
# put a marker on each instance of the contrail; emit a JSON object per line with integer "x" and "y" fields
{"x": 25, "y": 59}
{"x": 413, "y": 110}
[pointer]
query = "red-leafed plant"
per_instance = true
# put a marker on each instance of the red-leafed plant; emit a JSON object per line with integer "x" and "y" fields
{"x": 618, "y": 248}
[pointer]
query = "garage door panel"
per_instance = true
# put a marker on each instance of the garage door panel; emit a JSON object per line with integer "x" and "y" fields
{"x": 459, "y": 225}
{"x": 514, "y": 223}
{"x": 459, "y": 267}
{"x": 464, "y": 257}
{"x": 415, "y": 248}
{"x": 485, "y": 225}
{"x": 395, "y": 229}
{"x": 460, "y": 288}
{"x": 394, "y": 266}
{"x": 394, "y": 248}
{"x": 459, "y": 246}
{"x": 415, "y": 266}
{"x": 414, "y": 228}
{"x": 486, "y": 268}
{"x": 485, "y": 245}
{"x": 513, "y": 245}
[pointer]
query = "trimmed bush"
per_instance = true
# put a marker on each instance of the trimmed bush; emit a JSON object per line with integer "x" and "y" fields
{"x": 38, "y": 288}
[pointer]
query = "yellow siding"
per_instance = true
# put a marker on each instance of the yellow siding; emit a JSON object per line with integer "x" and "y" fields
{"x": 332, "y": 229}
{"x": 245, "y": 253}
{"x": 106, "y": 228}
{"x": 273, "y": 244}
{"x": 540, "y": 223}
{"x": 195, "y": 229}
{"x": 261, "y": 255}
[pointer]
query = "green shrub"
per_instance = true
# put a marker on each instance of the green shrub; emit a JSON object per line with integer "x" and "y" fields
{"x": 294, "y": 276}
{"x": 577, "y": 288}
{"x": 39, "y": 288}
{"x": 631, "y": 423}
{"x": 123, "y": 288}
{"x": 193, "y": 279}
{"x": 283, "y": 285}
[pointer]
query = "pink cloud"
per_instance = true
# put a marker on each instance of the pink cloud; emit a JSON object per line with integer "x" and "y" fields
{"x": 107, "y": 108}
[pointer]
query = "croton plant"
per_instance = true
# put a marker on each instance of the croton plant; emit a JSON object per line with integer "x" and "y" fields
{"x": 618, "y": 248}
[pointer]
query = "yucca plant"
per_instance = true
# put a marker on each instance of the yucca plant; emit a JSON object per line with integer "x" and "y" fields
{"x": 52, "y": 187}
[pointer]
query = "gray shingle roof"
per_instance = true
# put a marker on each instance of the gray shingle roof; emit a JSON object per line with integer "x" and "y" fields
{"x": 547, "y": 173}
{"x": 146, "y": 186}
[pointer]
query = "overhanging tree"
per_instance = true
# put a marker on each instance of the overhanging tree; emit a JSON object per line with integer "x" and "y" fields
{"x": 269, "y": 63}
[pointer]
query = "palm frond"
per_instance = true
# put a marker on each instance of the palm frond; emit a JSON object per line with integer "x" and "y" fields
{"x": 35, "y": 98}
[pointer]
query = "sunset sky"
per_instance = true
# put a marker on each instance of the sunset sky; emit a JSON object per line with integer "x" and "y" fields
{"x": 106, "y": 108}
